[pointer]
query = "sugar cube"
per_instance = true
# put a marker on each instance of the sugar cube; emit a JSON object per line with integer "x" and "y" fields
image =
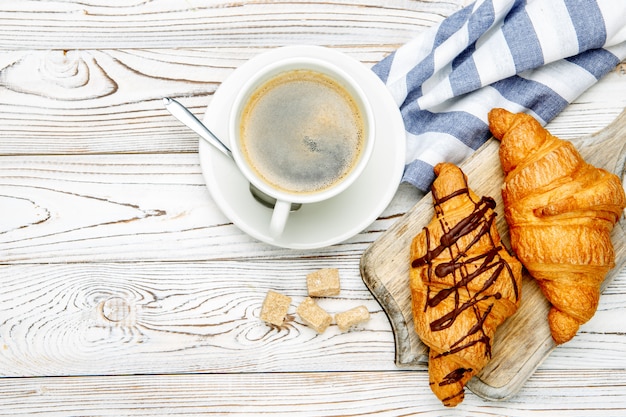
{"x": 323, "y": 282}
{"x": 275, "y": 308}
{"x": 351, "y": 317}
{"x": 313, "y": 315}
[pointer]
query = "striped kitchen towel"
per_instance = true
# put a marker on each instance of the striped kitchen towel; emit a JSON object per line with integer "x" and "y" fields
{"x": 534, "y": 56}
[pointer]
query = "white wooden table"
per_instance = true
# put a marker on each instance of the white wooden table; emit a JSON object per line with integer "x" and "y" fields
{"x": 125, "y": 291}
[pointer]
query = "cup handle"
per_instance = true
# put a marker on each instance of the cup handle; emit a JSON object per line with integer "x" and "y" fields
{"x": 279, "y": 217}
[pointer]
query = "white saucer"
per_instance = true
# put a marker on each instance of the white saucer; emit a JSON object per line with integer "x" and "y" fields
{"x": 320, "y": 224}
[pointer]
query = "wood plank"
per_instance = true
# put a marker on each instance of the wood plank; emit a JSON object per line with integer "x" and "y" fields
{"x": 172, "y": 24}
{"x": 172, "y": 317}
{"x": 66, "y": 102}
{"x": 90, "y": 208}
{"x": 136, "y": 318}
{"x": 558, "y": 394}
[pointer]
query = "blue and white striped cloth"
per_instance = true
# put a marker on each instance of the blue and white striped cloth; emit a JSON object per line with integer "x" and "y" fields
{"x": 534, "y": 56}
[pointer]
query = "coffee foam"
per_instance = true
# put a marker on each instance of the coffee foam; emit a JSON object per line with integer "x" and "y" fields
{"x": 302, "y": 132}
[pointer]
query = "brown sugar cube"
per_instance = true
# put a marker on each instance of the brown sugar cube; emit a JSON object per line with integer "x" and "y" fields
{"x": 313, "y": 315}
{"x": 323, "y": 282}
{"x": 351, "y": 317}
{"x": 275, "y": 308}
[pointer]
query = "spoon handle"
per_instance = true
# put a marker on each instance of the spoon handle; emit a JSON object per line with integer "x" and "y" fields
{"x": 188, "y": 119}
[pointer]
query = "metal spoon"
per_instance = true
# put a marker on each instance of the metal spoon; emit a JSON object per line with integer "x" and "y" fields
{"x": 185, "y": 116}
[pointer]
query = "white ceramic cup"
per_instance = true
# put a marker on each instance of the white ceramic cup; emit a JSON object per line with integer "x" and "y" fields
{"x": 285, "y": 198}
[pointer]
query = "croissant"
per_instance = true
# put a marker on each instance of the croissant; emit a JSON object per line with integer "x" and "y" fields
{"x": 463, "y": 284}
{"x": 560, "y": 211}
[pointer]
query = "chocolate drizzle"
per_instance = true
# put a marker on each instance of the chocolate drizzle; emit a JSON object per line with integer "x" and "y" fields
{"x": 454, "y": 376}
{"x": 486, "y": 267}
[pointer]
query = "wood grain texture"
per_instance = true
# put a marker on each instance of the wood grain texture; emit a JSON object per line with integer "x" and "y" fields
{"x": 125, "y": 291}
{"x": 158, "y": 318}
{"x": 298, "y": 394}
{"x": 89, "y": 208}
{"x": 169, "y": 23}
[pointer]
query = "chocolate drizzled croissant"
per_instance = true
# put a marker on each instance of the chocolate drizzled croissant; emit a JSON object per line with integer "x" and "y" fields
{"x": 463, "y": 284}
{"x": 560, "y": 211}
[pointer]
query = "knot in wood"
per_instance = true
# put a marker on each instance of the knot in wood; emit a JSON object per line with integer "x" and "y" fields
{"x": 115, "y": 309}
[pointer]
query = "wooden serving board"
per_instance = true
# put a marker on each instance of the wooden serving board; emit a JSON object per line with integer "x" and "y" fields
{"x": 523, "y": 341}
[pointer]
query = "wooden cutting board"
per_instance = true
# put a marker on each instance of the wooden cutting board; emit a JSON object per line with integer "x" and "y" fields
{"x": 524, "y": 340}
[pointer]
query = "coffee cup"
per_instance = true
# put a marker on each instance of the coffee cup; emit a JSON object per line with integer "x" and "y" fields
{"x": 301, "y": 131}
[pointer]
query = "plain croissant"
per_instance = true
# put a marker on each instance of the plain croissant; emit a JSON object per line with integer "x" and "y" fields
{"x": 463, "y": 284}
{"x": 560, "y": 211}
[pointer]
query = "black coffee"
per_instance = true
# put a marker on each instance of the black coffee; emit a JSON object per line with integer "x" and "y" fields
{"x": 302, "y": 131}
